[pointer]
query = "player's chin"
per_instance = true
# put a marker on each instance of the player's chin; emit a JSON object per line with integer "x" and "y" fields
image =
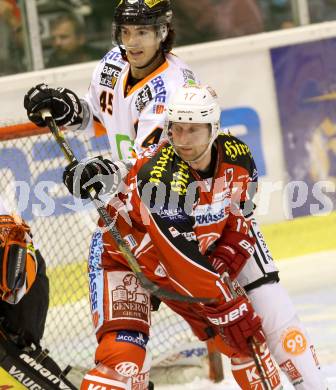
{"x": 137, "y": 60}
{"x": 185, "y": 153}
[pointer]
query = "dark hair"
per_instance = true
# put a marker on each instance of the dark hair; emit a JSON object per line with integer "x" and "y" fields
{"x": 77, "y": 23}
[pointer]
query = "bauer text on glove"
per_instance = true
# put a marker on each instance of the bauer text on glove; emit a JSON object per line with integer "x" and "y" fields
{"x": 231, "y": 253}
{"x": 237, "y": 322}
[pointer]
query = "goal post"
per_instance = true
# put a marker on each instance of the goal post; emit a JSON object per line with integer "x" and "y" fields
{"x": 31, "y": 165}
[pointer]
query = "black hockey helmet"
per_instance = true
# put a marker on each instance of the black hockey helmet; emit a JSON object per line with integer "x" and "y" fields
{"x": 143, "y": 12}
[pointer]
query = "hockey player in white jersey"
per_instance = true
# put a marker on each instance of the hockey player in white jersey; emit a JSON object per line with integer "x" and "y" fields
{"x": 130, "y": 86}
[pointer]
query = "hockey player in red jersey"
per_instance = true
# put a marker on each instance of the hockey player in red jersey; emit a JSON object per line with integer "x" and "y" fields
{"x": 176, "y": 205}
{"x": 285, "y": 334}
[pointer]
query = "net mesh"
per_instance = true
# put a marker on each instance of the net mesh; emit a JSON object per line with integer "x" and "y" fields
{"x": 32, "y": 168}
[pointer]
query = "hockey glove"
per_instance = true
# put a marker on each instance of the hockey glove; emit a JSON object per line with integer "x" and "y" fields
{"x": 237, "y": 323}
{"x": 63, "y": 104}
{"x": 98, "y": 173}
{"x": 18, "y": 265}
{"x": 231, "y": 253}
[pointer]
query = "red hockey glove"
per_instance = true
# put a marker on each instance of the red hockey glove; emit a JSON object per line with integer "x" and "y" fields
{"x": 231, "y": 253}
{"x": 236, "y": 322}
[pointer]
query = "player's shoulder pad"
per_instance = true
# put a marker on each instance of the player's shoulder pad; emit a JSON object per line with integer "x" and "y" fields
{"x": 235, "y": 150}
{"x": 183, "y": 74}
{"x": 114, "y": 56}
{"x": 161, "y": 85}
{"x": 109, "y": 69}
{"x": 154, "y": 94}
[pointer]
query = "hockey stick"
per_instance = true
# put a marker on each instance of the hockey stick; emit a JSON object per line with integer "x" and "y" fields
{"x": 110, "y": 225}
{"x": 250, "y": 341}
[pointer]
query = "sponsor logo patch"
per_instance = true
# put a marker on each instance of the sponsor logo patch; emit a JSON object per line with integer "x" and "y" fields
{"x": 189, "y": 236}
{"x": 93, "y": 291}
{"x": 174, "y": 232}
{"x": 114, "y": 56}
{"x": 188, "y": 76}
{"x": 109, "y": 76}
{"x": 207, "y": 215}
{"x": 129, "y": 300}
{"x": 127, "y": 369}
{"x": 148, "y": 152}
{"x": 166, "y": 155}
{"x": 233, "y": 149}
{"x": 294, "y": 342}
{"x": 291, "y": 370}
{"x": 96, "y": 249}
{"x": 173, "y": 215}
{"x": 160, "y": 90}
{"x": 217, "y": 211}
{"x": 159, "y": 271}
{"x": 136, "y": 338}
{"x": 143, "y": 98}
{"x": 158, "y": 109}
{"x": 22, "y": 377}
{"x": 180, "y": 180}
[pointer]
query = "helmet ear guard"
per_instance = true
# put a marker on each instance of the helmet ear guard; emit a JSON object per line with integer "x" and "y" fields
{"x": 163, "y": 30}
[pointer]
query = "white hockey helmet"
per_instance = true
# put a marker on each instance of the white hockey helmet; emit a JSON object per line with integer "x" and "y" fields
{"x": 194, "y": 104}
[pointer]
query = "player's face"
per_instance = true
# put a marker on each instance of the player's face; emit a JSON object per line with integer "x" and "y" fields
{"x": 190, "y": 139}
{"x": 141, "y": 44}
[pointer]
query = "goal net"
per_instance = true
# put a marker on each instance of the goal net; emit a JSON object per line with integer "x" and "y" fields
{"x": 31, "y": 166}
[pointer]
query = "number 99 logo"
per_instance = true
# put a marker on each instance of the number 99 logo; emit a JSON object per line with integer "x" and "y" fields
{"x": 294, "y": 342}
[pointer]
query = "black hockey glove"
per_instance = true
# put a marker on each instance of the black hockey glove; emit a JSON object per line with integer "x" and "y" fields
{"x": 63, "y": 104}
{"x": 97, "y": 172}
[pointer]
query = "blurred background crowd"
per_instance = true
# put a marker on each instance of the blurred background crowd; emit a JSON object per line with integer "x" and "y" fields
{"x": 74, "y": 31}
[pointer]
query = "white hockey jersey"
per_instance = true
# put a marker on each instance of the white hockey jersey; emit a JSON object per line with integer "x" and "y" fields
{"x": 133, "y": 118}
